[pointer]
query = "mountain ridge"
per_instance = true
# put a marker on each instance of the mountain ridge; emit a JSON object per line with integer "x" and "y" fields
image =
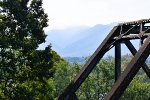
{"x": 79, "y": 41}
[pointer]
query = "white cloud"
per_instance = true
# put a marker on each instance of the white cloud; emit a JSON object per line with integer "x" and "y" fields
{"x": 65, "y": 13}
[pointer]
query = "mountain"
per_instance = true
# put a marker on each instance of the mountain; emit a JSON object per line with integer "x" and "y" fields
{"x": 91, "y": 39}
{"x": 62, "y": 38}
{"x": 79, "y": 41}
{"x": 79, "y": 60}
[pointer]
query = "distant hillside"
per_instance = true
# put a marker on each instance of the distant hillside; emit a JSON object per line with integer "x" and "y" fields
{"x": 79, "y": 60}
{"x": 91, "y": 39}
{"x": 78, "y": 41}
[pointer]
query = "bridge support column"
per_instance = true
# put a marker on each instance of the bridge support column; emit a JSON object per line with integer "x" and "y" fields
{"x": 117, "y": 60}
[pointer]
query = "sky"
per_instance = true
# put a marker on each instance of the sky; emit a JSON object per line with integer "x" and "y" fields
{"x": 70, "y": 13}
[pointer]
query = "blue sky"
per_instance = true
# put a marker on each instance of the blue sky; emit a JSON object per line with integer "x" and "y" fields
{"x": 68, "y": 13}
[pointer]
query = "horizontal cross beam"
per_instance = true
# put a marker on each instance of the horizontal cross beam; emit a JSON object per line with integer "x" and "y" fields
{"x": 135, "y": 22}
{"x": 133, "y": 36}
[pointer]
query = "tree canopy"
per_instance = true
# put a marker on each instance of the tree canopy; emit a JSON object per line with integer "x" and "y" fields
{"x": 25, "y": 72}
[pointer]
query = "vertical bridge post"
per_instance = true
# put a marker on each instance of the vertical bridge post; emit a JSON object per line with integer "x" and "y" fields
{"x": 117, "y": 60}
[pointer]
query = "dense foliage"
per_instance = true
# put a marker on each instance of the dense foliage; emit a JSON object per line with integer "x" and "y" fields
{"x": 25, "y": 72}
{"x": 100, "y": 81}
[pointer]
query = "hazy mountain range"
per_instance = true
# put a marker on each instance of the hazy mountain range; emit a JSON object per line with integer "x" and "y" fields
{"x": 79, "y": 41}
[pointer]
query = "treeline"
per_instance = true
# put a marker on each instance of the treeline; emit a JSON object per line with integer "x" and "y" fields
{"x": 100, "y": 81}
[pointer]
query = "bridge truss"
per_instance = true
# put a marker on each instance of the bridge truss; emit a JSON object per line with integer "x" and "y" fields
{"x": 122, "y": 33}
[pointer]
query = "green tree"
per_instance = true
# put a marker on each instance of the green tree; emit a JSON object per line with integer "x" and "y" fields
{"x": 138, "y": 89}
{"x": 62, "y": 77}
{"x": 99, "y": 82}
{"x": 25, "y": 72}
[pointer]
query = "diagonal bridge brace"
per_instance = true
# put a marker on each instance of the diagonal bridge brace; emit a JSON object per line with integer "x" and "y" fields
{"x": 91, "y": 63}
{"x": 134, "y": 51}
{"x": 130, "y": 71}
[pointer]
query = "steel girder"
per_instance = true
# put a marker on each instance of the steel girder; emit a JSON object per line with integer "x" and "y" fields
{"x": 122, "y": 33}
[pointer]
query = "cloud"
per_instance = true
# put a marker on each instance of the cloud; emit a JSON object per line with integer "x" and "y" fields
{"x": 65, "y": 13}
